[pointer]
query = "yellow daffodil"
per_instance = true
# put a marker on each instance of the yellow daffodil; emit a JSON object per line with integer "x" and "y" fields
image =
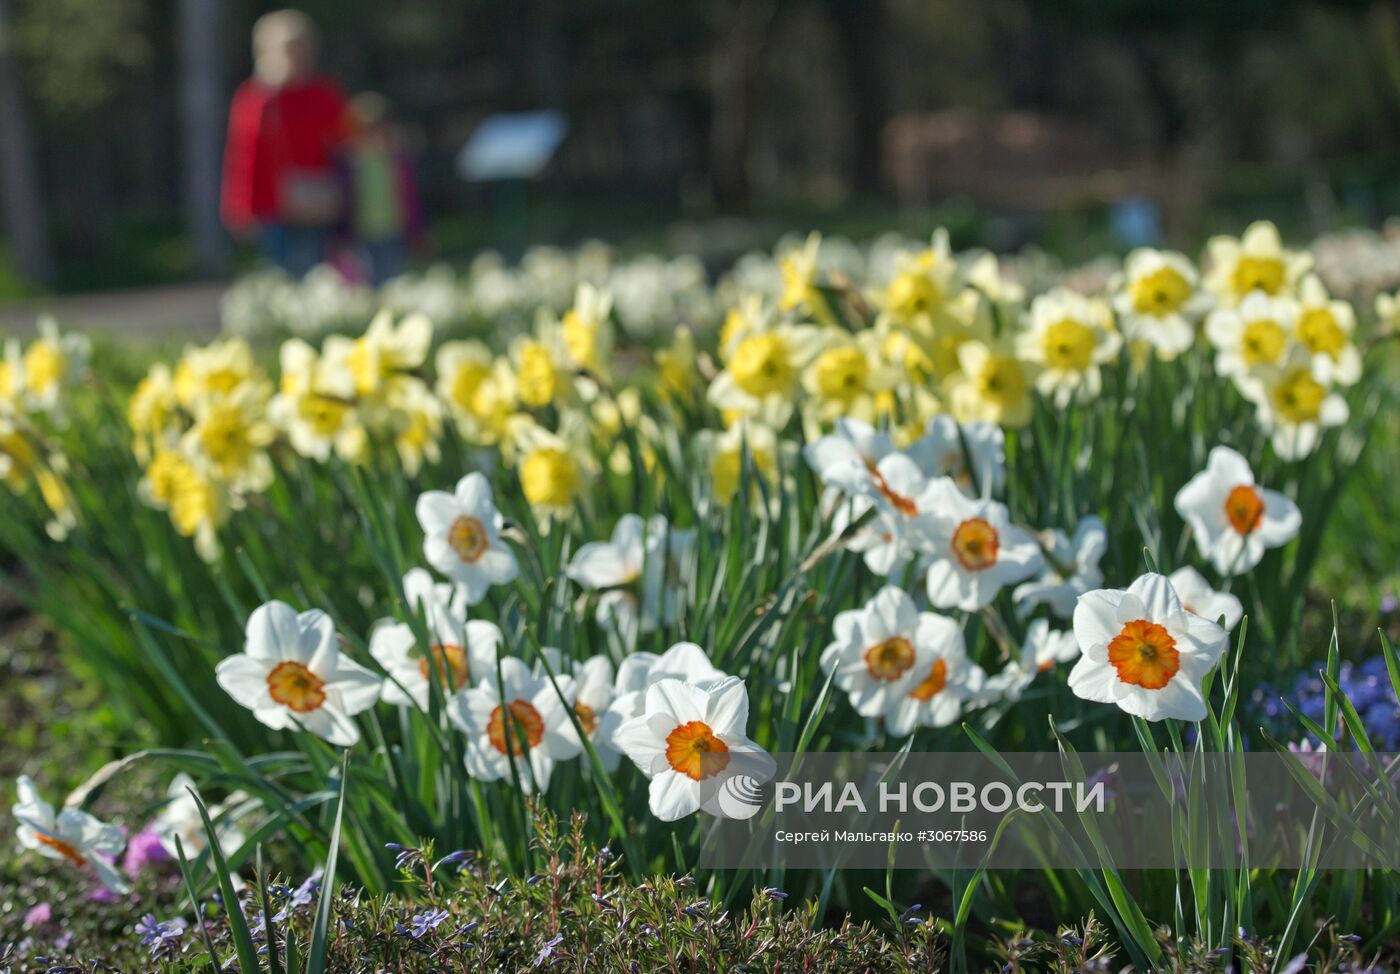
{"x": 1295, "y": 403}
{"x": 676, "y": 365}
{"x": 417, "y": 426}
{"x": 923, "y": 283}
{"x": 1256, "y": 261}
{"x": 544, "y": 375}
{"x": 726, "y": 457}
{"x": 587, "y": 330}
{"x": 17, "y": 456}
{"x": 196, "y": 504}
{"x": 1068, "y": 338}
{"x": 991, "y": 385}
{"x": 1324, "y": 327}
{"x": 764, "y": 368}
{"x": 555, "y": 468}
{"x": 153, "y": 411}
{"x": 801, "y": 278}
{"x": 11, "y": 377}
{"x": 1255, "y": 334}
{"x": 384, "y": 353}
{"x": 217, "y": 369}
{"x": 847, "y": 377}
{"x": 315, "y": 406}
{"x": 1159, "y": 302}
{"x": 49, "y": 363}
{"x": 611, "y": 415}
{"x": 230, "y": 437}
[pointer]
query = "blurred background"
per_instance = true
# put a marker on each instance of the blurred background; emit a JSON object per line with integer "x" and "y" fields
{"x": 713, "y": 127}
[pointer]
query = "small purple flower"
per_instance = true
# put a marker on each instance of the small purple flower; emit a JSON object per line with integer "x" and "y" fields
{"x": 161, "y": 937}
{"x": 427, "y": 921}
{"x": 460, "y": 859}
{"x": 547, "y": 951}
{"x": 143, "y": 851}
{"x": 301, "y": 897}
{"x": 1389, "y": 603}
{"x": 405, "y": 857}
{"x": 38, "y": 915}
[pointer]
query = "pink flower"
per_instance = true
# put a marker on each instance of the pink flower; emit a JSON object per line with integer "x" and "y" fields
{"x": 143, "y": 851}
{"x": 38, "y": 916}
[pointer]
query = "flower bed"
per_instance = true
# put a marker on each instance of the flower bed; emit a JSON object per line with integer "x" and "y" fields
{"x": 391, "y": 588}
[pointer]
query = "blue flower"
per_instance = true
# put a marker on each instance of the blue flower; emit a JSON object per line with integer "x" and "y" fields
{"x": 160, "y": 937}
{"x": 427, "y": 921}
{"x": 547, "y": 951}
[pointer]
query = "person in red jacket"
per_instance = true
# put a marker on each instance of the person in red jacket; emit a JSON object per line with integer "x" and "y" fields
{"x": 285, "y": 126}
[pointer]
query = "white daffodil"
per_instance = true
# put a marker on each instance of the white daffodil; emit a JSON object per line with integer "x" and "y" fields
{"x": 1143, "y": 651}
{"x": 689, "y": 741}
{"x": 973, "y": 454}
{"x": 880, "y": 650}
{"x": 1042, "y": 649}
{"x": 1324, "y": 327}
{"x": 179, "y": 818}
{"x": 641, "y": 571}
{"x": 1197, "y": 596}
{"x": 71, "y": 834}
{"x": 463, "y": 652}
{"x": 900, "y": 495}
{"x": 1256, "y": 261}
{"x": 462, "y": 537}
{"x": 892, "y": 660}
{"x": 850, "y": 441}
{"x": 1295, "y": 405}
{"x": 291, "y": 674}
{"x": 945, "y": 680}
{"x": 1071, "y": 569}
{"x": 594, "y": 692}
{"x": 1232, "y": 518}
{"x": 686, "y": 662}
{"x": 975, "y": 550}
{"x": 1069, "y": 336}
{"x": 1253, "y": 335}
{"x": 1159, "y": 301}
{"x": 516, "y": 717}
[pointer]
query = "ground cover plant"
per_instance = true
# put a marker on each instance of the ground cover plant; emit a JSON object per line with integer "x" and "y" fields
{"x": 421, "y": 587}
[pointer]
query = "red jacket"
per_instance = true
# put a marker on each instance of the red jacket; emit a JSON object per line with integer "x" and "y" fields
{"x": 272, "y": 130}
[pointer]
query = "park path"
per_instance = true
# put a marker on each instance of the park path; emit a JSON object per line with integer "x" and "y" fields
{"x": 171, "y": 311}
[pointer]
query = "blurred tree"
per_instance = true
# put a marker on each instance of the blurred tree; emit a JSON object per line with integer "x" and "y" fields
{"x": 862, "y": 28}
{"x": 742, "y": 32}
{"x": 78, "y": 53}
{"x": 203, "y": 99}
{"x": 19, "y": 179}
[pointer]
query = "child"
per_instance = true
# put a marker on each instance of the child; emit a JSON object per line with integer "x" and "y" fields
{"x": 385, "y": 219}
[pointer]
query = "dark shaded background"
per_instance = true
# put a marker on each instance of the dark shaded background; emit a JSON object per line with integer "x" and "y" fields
{"x": 1010, "y": 120}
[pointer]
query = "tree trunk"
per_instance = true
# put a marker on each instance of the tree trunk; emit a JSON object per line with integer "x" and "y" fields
{"x": 860, "y": 28}
{"x": 733, "y": 70}
{"x": 203, "y": 101}
{"x": 19, "y": 175}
